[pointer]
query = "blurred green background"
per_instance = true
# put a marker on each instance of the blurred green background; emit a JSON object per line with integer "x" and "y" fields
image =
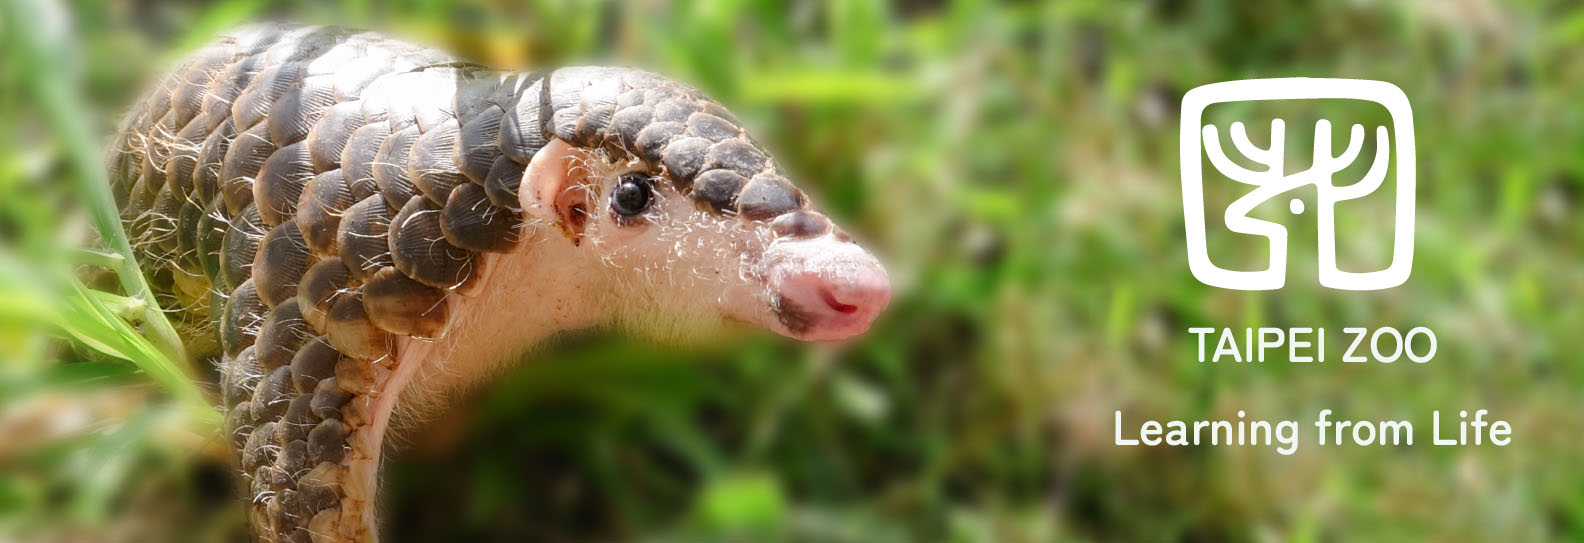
{"x": 1015, "y": 165}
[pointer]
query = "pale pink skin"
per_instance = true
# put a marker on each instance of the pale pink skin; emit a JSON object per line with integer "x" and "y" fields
{"x": 681, "y": 273}
{"x": 837, "y": 282}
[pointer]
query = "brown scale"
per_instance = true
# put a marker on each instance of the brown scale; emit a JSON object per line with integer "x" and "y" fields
{"x": 356, "y": 377}
{"x": 294, "y": 114}
{"x": 328, "y": 138}
{"x": 239, "y": 421}
{"x": 800, "y": 225}
{"x": 653, "y": 138}
{"x": 210, "y": 239}
{"x": 677, "y": 110}
{"x": 271, "y": 395}
{"x": 420, "y": 251}
{"x": 140, "y": 197}
{"x": 327, "y": 439}
{"x": 281, "y": 181}
{"x": 328, "y": 398}
{"x": 314, "y": 361}
{"x": 259, "y": 486}
{"x": 241, "y": 165}
{"x": 281, "y": 261}
{"x": 243, "y": 316}
{"x": 390, "y": 166}
{"x": 187, "y": 99}
{"x": 323, "y": 525}
{"x": 152, "y": 178}
{"x": 283, "y": 333}
{"x": 185, "y": 144}
{"x": 320, "y": 488}
{"x": 189, "y": 222}
{"x": 162, "y": 137}
{"x": 227, "y": 86}
{"x": 476, "y": 147}
{"x": 403, "y": 306}
{"x": 767, "y": 196}
{"x": 183, "y": 159}
{"x": 135, "y": 137}
{"x": 733, "y": 154}
{"x": 161, "y": 224}
{"x": 240, "y": 246}
{"x": 319, "y": 211}
{"x": 255, "y": 101}
{"x": 211, "y": 155}
{"x": 281, "y": 510}
{"x": 686, "y": 157}
{"x": 294, "y": 427}
{"x": 242, "y": 374}
{"x": 718, "y": 189}
{"x": 471, "y": 222}
{"x": 136, "y": 219}
{"x": 502, "y": 181}
{"x": 259, "y": 450}
{"x": 253, "y": 482}
{"x": 432, "y": 162}
{"x": 363, "y": 237}
{"x": 290, "y": 519}
{"x": 350, "y": 331}
{"x": 520, "y": 133}
{"x": 171, "y": 142}
{"x": 357, "y": 160}
{"x": 320, "y": 286}
{"x": 711, "y": 127}
{"x": 591, "y": 124}
{"x": 358, "y": 411}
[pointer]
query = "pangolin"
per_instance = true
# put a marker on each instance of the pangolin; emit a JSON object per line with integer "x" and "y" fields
{"x": 350, "y": 224}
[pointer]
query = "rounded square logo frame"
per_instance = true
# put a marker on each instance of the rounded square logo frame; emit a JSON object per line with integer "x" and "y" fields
{"x": 1274, "y": 277}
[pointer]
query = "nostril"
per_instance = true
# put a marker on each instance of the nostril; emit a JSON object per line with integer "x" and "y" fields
{"x": 836, "y": 305}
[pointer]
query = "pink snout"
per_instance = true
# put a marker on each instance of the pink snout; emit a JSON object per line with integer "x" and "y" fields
{"x": 824, "y": 289}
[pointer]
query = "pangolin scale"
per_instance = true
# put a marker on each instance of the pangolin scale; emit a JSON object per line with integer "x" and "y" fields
{"x": 331, "y": 208}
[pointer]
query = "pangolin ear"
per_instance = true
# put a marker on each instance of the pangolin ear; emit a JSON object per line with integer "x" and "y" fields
{"x": 555, "y": 188}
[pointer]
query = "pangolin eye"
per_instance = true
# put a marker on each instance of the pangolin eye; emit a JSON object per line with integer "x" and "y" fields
{"x": 632, "y": 195}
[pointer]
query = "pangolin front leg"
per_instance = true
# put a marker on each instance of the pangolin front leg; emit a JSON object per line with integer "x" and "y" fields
{"x": 358, "y": 226}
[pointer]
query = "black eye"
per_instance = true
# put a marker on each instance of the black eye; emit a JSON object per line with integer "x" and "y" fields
{"x": 631, "y": 195}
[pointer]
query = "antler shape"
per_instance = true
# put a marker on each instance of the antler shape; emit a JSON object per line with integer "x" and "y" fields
{"x": 1372, "y": 179}
{"x": 1271, "y": 157}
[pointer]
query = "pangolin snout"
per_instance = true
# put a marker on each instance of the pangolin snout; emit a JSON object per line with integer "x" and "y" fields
{"x": 825, "y": 288}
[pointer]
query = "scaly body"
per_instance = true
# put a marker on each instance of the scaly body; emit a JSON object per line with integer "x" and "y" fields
{"x": 351, "y": 225}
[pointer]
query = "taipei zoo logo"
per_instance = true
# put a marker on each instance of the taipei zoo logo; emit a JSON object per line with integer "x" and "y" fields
{"x": 1269, "y": 179}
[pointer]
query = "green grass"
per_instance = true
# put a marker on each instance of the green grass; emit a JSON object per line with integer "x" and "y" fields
{"x": 112, "y": 335}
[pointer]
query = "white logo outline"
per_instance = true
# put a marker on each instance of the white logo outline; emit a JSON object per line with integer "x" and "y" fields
{"x": 1275, "y": 181}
